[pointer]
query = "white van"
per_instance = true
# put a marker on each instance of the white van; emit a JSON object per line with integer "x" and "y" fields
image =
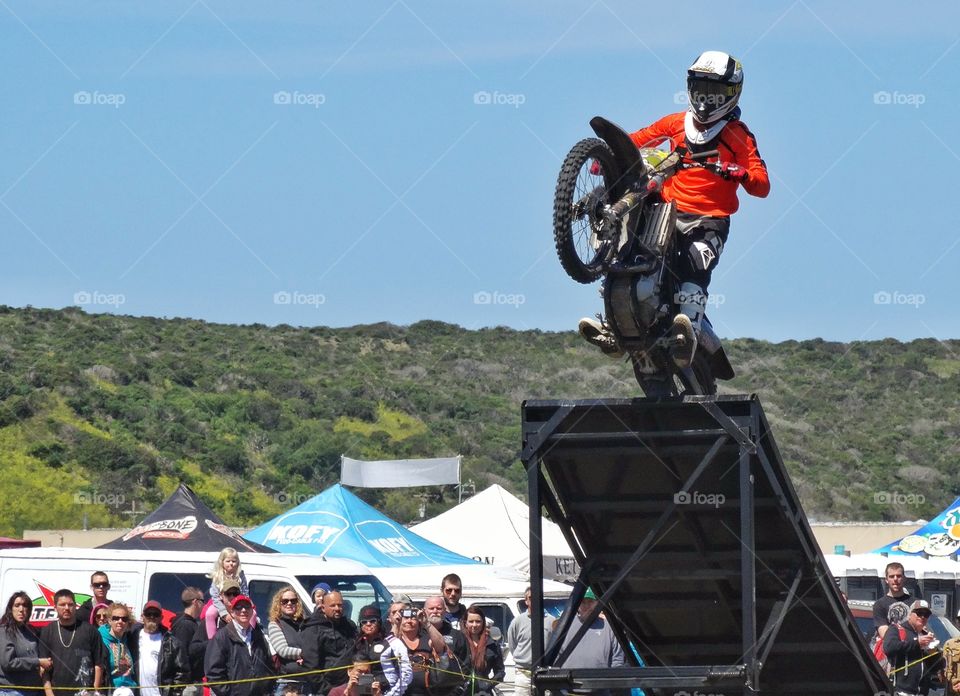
{"x": 136, "y": 577}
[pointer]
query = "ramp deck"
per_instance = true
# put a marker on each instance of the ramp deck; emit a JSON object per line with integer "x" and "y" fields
{"x": 687, "y": 528}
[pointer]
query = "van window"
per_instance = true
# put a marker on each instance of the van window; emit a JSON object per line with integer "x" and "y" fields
{"x": 261, "y": 592}
{"x": 166, "y": 588}
{"x": 357, "y": 590}
{"x": 500, "y": 614}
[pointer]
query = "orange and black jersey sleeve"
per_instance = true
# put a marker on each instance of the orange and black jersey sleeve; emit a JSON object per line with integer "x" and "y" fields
{"x": 702, "y": 192}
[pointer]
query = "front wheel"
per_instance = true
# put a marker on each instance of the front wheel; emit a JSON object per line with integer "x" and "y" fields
{"x": 578, "y": 204}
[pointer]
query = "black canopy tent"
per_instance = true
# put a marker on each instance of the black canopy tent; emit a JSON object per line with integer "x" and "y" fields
{"x": 183, "y": 523}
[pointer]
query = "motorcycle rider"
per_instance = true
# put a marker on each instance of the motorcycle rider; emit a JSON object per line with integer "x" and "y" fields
{"x": 704, "y": 201}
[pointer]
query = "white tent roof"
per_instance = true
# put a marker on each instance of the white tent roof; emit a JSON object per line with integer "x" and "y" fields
{"x": 494, "y": 527}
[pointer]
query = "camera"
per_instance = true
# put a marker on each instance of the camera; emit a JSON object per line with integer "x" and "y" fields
{"x": 365, "y": 684}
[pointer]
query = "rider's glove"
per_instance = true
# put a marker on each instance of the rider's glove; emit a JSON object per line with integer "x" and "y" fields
{"x": 733, "y": 172}
{"x": 595, "y": 168}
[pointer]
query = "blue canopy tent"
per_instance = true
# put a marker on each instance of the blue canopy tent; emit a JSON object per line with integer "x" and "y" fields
{"x": 938, "y": 537}
{"x": 337, "y": 523}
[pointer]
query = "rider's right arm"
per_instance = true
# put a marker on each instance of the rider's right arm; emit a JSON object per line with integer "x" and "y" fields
{"x": 658, "y": 131}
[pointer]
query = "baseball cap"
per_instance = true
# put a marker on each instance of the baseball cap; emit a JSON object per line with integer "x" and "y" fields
{"x": 229, "y": 585}
{"x": 152, "y": 604}
{"x": 241, "y": 599}
{"x": 920, "y": 606}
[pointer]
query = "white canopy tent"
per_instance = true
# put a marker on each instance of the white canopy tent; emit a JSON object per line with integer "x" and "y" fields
{"x": 493, "y": 527}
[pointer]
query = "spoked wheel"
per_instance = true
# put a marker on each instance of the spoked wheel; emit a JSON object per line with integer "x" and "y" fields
{"x": 577, "y": 210}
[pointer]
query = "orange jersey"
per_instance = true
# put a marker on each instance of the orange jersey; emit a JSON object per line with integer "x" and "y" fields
{"x": 700, "y": 191}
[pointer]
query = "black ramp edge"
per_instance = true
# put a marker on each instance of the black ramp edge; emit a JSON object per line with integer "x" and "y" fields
{"x": 694, "y": 539}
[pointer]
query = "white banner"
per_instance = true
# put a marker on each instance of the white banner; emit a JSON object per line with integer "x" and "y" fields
{"x": 400, "y": 473}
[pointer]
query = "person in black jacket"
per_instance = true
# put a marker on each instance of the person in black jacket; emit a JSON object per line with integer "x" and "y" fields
{"x": 189, "y": 631}
{"x": 19, "y": 659}
{"x": 238, "y": 651}
{"x": 486, "y": 658}
{"x": 171, "y": 663}
{"x": 328, "y": 639}
{"x": 911, "y": 673}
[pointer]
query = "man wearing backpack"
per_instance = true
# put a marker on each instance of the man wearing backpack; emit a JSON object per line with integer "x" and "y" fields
{"x": 911, "y": 673}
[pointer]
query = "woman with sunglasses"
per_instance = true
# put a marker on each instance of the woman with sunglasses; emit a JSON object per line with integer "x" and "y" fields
{"x": 19, "y": 662}
{"x": 385, "y": 652}
{"x": 287, "y": 617}
{"x": 486, "y": 657}
{"x": 114, "y": 635}
{"x": 99, "y": 615}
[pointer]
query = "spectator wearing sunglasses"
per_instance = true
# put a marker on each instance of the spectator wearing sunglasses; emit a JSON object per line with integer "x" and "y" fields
{"x": 212, "y": 618}
{"x": 116, "y": 639}
{"x": 284, "y": 629}
{"x": 192, "y": 635}
{"x": 99, "y": 586}
{"x": 239, "y": 651}
{"x": 384, "y": 652}
{"x": 163, "y": 666}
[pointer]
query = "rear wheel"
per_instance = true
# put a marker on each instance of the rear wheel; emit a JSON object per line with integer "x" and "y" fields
{"x": 578, "y": 204}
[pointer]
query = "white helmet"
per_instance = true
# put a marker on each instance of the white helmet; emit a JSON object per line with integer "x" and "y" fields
{"x": 714, "y": 83}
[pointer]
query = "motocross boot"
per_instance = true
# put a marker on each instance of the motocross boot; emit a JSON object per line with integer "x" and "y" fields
{"x": 686, "y": 325}
{"x": 595, "y": 332}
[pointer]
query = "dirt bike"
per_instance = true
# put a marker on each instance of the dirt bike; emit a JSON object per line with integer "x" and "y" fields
{"x": 610, "y": 222}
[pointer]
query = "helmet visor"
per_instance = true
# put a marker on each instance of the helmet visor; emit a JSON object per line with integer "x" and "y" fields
{"x": 710, "y": 95}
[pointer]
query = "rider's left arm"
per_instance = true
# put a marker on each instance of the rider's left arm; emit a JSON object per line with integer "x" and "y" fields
{"x": 746, "y": 154}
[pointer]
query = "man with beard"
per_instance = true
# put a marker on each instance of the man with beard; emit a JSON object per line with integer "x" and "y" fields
{"x": 160, "y": 657}
{"x": 327, "y": 641}
{"x": 451, "y": 587}
{"x": 76, "y": 649}
{"x": 456, "y": 642}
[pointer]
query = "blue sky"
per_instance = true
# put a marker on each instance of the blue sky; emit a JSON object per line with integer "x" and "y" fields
{"x": 329, "y": 163}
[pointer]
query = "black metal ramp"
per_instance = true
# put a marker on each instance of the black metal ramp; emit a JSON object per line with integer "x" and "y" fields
{"x": 688, "y": 529}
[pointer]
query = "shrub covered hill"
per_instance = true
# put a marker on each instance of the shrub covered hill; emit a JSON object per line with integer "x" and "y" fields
{"x": 100, "y": 414}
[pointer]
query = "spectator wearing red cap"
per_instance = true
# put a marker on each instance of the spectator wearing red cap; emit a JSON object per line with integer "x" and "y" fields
{"x": 237, "y": 652}
{"x": 162, "y": 662}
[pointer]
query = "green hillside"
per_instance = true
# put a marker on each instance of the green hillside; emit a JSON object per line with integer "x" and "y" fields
{"x": 101, "y": 412}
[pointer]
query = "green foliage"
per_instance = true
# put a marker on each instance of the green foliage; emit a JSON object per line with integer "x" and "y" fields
{"x": 255, "y": 418}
